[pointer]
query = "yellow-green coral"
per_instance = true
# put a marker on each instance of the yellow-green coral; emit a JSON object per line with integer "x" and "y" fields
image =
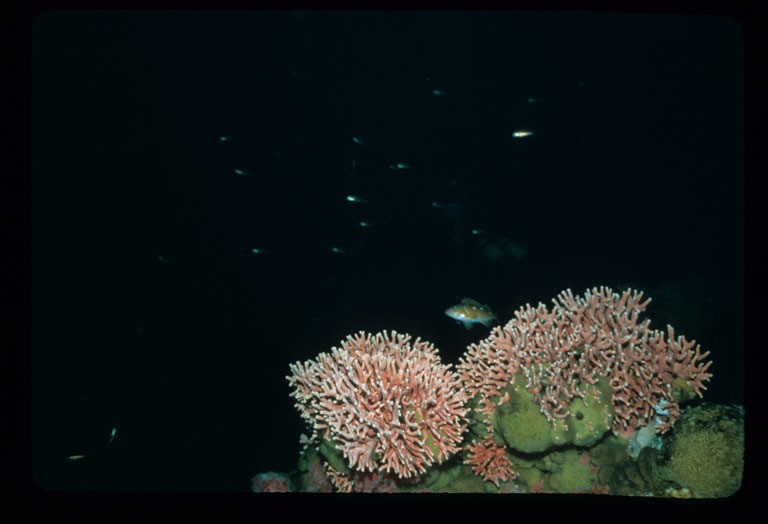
{"x": 524, "y": 428}
{"x": 437, "y": 478}
{"x": 329, "y": 449}
{"x": 569, "y": 473}
{"x": 465, "y": 482}
{"x": 707, "y": 453}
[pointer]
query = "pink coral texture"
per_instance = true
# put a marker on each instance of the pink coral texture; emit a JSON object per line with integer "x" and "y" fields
{"x": 386, "y": 403}
{"x": 490, "y": 461}
{"x": 581, "y": 340}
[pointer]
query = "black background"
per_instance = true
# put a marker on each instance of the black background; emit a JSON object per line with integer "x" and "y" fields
{"x": 151, "y": 314}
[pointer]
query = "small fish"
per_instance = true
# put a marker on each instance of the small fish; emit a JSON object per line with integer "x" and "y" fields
{"x": 226, "y": 138}
{"x": 357, "y": 199}
{"x": 494, "y": 250}
{"x": 532, "y": 100}
{"x": 399, "y": 165}
{"x": 513, "y": 249}
{"x": 112, "y": 434}
{"x": 73, "y": 458}
{"x": 260, "y": 251}
{"x": 241, "y": 172}
{"x": 522, "y": 133}
{"x": 439, "y": 92}
{"x": 358, "y": 141}
{"x": 470, "y": 312}
{"x": 478, "y": 231}
{"x": 451, "y": 209}
{"x": 337, "y": 250}
{"x": 369, "y": 224}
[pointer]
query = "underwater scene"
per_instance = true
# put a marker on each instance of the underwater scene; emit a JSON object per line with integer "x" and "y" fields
{"x": 388, "y": 252}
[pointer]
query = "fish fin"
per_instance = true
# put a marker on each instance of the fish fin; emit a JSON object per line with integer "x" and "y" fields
{"x": 467, "y": 325}
{"x": 471, "y": 302}
{"x": 488, "y": 321}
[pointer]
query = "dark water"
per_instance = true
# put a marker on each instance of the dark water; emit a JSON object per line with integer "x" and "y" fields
{"x": 153, "y": 315}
